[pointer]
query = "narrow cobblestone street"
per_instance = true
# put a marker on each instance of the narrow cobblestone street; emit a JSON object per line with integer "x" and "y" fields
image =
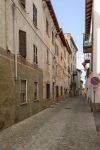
{"x": 68, "y": 125}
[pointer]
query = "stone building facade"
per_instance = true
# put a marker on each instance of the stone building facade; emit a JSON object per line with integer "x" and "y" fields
{"x": 34, "y": 58}
{"x": 72, "y": 63}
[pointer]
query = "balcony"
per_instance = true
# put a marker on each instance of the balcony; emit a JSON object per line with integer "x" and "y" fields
{"x": 87, "y": 58}
{"x": 87, "y": 43}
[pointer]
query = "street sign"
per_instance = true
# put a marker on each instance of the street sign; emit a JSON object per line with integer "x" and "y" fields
{"x": 94, "y": 81}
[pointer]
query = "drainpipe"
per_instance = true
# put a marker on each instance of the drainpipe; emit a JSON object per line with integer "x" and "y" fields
{"x": 14, "y": 47}
{"x": 6, "y": 23}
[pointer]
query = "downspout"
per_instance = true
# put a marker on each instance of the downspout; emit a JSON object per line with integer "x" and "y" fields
{"x": 14, "y": 47}
{"x": 6, "y": 24}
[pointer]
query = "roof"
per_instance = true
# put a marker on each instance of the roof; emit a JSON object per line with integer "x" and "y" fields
{"x": 74, "y": 43}
{"x": 88, "y": 15}
{"x": 58, "y": 29}
{"x": 68, "y": 47}
{"x": 68, "y": 36}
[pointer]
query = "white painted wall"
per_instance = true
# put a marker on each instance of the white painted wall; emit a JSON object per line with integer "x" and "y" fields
{"x": 96, "y": 52}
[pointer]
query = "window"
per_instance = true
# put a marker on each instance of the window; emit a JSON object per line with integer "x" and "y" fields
{"x": 56, "y": 50}
{"x": 61, "y": 91}
{"x": 47, "y": 56}
{"x": 53, "y": 89}
{"x": 57, "y": 91}
{"x": 47, "y": 91}
{"x": 22, "y": 3}
{"x": 35, "y": 91}
{"x": 47, "y": 27}
{"x": 61, "y": 57}
{"x": 23, "y": 91}
{"x": 56, "y": 69}
{"x": 52, "y": 37}
{"x": 65, "y": 53}
{"x": 35, "y": 54}
{"x": 34, "y": 15}
{"x": 22, "y": 43}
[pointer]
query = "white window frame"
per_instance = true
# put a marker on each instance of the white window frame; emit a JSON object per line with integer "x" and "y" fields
{"x": 25, "y": 90}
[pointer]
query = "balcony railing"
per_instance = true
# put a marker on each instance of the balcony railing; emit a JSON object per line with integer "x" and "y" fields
{"x": 87, "y": 57}
{"x": 87, "y": 43}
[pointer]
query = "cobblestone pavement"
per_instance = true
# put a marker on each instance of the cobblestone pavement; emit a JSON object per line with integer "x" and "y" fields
{"x": 68, "y": 125}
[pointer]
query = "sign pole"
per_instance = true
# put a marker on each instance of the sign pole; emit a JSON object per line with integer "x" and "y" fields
{"x": 94, "y": 81}
{"x": 94, "y": 101}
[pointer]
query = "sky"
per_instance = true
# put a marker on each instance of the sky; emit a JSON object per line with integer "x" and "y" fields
{"x": 71, "y": 17}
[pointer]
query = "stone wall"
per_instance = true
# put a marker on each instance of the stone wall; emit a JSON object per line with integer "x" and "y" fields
{"x": 11, "y": 110}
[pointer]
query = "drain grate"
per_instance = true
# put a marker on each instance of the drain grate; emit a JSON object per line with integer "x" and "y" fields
{"x": 67, "y": 108}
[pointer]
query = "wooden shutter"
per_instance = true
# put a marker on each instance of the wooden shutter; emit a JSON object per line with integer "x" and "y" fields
{"x": 22, "y": 3}
{"x": 34, "y": 15}
{"x": 47, "y": 26}
{"x": 34, "y": 53}
{"x": 22, "y": 43}
{"x": 36, "y": 56}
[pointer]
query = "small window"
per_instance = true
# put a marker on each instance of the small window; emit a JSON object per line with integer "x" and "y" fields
{"x": 65, "y": 53}
{"x": 47, "y": 91}
{"x": 47, "y": 56}
{"x": 22, "y": 43}
{"x": 61, "y": 91}
{"x": 61, "y": 56}
{"x": 35, "y": 54}
{"x": 52, "y": 37}
{"x": 34, "y": 15}
{"x": 56, "y": 50}
{"x": 47, "y": 27}
{"x": 35, "y": 91}
{"x": 22, "y": 3}
{"x": 23, "y": 91}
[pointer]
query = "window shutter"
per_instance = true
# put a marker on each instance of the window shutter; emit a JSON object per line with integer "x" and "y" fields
{"x": 22, "y": 43}
{"x": 34, "y": 53}
{"x": 36, "y": 56}
{"x": 34, "y": 15}
{"x": 47, "y": 26}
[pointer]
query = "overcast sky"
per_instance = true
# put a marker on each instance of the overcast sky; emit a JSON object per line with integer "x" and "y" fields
{"x": 71, "y": 17}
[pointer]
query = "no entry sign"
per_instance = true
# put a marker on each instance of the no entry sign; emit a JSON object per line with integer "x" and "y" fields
{"x": 94, "y": 81}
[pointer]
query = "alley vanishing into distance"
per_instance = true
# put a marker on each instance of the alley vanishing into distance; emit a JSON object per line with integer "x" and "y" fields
{"x": 68, "y": 125}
